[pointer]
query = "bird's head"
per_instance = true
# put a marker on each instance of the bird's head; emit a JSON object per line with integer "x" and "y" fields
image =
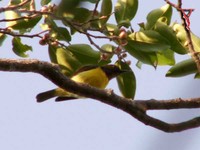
{"x": 112, "y": 71}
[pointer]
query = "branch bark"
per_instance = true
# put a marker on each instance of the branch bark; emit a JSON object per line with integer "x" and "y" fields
{"x": 137, "y": 108}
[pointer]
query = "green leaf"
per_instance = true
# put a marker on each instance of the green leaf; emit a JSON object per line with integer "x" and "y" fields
{"x": 52, "y": 53}
{"x": 84, "y": 53}
{"x": 108, "y": 48}
{"x": 2, "y": 38}
{"x": 66, "y": 6}
{"x": 60, "y": 33}
{"x": 182, "y": 68}
{"x": 19, "y": 48}
{"x": 68, "y": 63}
{"x": 163, "y": 12}
{"x": 72, "y": 12}
{"x": 73, "y": 57}
{"x": 64, "y": 58}
{"x": 166, "y": 57}
{"x": 81, "y": 15}
{"x": 14, "y": 2}
{"x": 26, "y": 24}
{"x": 148, "y": 41}
{"x": 21, "y": 23}
{"x": 44, "y": 2}
{"x": 125, "y": 11}
{"x": 106, "y": 10}
{"x": 145, "y": 57}
{"x": 49, "y": 23}
{"x": 126, "y": 81}
{"x": 78, "y": 15}
{"x": 169, "y": 34}
{"x": 197, "y": 76}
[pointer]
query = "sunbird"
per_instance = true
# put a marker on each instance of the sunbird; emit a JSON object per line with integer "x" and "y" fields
{"x": 96, "y": 76}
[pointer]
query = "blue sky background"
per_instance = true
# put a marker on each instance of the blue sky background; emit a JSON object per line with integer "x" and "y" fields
{"x": 88, "y": 124}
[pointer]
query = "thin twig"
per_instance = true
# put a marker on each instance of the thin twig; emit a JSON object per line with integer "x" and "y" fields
{"x": 13, "y": 7}
{"x": 93, "y": 43}
{"x": 32, "y": 5}
{"x": 15, "y": 19}
{"x": 5, "y": 31}
{"x": 95, "y": 8}
{"x": 94, "y": 19}
{"x": 32, "y": 11}
{"x": 68, "y": 22}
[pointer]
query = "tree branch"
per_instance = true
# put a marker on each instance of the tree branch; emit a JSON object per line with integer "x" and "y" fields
{"x": 186, "y": 22}
{"x": 136, "y": 108}
{"x": 185, "y": 14}
{"x": 170, "y": 104}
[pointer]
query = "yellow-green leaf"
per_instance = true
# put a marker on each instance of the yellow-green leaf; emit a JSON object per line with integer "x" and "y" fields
{"x": 165, "y": 11}
{"x": 65, "y": 59}
{"x": 148, "y": 41}
{"x": 12, "y": 15}
{"x": 196, "y": 42}
{"x": 182, "y": 37}
{"x": 73, "y": 57}
{"x": 69, "y": 64}
{"x": 108, "y": 48}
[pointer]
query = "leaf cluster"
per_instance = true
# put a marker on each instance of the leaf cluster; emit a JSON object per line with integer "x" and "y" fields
{"x": 155, "y": 44}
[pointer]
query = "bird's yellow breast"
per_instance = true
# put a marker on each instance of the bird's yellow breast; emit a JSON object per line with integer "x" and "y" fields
{"x": 94, "y": 77}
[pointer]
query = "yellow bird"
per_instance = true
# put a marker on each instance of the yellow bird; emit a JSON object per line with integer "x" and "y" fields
{"x": 95, "y": 76}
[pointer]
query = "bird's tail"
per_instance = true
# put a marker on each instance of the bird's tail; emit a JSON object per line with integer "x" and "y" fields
{"x": 46, "y": 95}
{"x": 61, "y": 95}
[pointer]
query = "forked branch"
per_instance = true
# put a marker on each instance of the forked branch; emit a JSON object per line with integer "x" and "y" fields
{"x": 137, "y": 108}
